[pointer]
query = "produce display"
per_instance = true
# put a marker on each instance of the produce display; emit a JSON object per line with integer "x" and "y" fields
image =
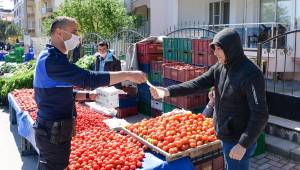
{"x": 87, "y": 119}
{"x": 22, "y": 78}
{"x": 94, "y": 146}
{"x": 101, "y": 148}
{"x": 25, "y": 99}
{"x": 9, "y": 67}
{"x": 86, "y": 62}
{"x": 176, "y": 132}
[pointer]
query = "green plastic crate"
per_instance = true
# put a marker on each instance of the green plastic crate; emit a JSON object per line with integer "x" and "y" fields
{"x": 144, "y": 108}
{"x": 156, "y": 77}
{"x": 170, "y": 55}
{"x": 168, "y": 107}
{"x": 260, "y": 144}
{"x": 10, "y": 58}
{"x": 19, "y": 59}
{"x": 184, "y": 44}
{"x": 185, "y": 57}
{"x": 170, "y": 43}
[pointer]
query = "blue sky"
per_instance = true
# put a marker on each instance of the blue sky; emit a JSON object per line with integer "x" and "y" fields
{"x": 7, "y": 4}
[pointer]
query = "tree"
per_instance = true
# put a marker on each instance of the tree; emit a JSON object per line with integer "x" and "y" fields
{"x": 13, "y": 30}
{"x": 101, "y": 16}
{"x": 3, "y": 26}
{"x": 8, "y": 29}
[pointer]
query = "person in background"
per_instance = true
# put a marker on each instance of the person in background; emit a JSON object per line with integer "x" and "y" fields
{"x": 104, "y": 59}
{"x": 54, "y": 78}
{"x": 240, "y": 98}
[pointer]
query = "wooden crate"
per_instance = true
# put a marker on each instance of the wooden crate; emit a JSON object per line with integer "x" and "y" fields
{"x": 192, "y": 152}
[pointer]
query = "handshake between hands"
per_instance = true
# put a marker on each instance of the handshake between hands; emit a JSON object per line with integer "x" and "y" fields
{"x": 139, "y": 77}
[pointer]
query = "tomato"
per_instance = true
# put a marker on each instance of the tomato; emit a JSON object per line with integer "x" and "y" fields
{"x": 178, "y": 130}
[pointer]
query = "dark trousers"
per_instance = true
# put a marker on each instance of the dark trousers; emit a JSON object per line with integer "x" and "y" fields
{"x": 51, "y": 156}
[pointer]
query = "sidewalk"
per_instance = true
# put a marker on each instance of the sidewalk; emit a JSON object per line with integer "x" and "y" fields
{"x": 270, "y": 161}
{"x": 10, "y": 157}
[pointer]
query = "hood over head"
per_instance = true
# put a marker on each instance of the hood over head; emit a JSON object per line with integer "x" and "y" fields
{"x": 229, "y": 40}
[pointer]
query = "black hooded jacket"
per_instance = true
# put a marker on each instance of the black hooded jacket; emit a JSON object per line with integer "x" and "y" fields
{"x": 240, "y": 107}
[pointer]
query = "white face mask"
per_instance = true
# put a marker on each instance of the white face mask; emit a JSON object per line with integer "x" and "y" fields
{"x": 71, "y": 43}
{"x": 103, "y": 54}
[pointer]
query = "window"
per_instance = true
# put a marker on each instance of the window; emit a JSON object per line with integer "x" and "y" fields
{"x": 218, "y": 13}
{"x": 276, "y": 11}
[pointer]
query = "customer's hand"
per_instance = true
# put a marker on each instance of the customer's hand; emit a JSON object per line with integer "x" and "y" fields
{"x": 159, "y": 92}
{"x": 211, "y": 96}
{"x": 237, "y": 152}
{"x": 136, "y": 76}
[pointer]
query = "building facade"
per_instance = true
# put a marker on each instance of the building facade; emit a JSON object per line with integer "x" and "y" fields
{"x": 249, "y": 17}
{"x": 6, "y": 14}
{"x": 44, "y": 8}
{"x": 24, "y": 16}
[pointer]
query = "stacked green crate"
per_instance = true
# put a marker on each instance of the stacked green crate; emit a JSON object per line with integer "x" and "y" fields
{"x": 178, "y": 49}
{"x": 184, "y": 52}
{"x": 170, "y": 49}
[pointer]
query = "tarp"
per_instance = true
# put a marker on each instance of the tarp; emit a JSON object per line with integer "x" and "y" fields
{"x": 24, "y": 121}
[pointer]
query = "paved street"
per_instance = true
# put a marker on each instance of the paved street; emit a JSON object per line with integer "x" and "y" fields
{"x": 269, "y": 161}
{"x": 10, "y": 157}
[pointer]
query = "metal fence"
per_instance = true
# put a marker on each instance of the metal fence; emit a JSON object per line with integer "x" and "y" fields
{"x": 250, "y": 33}
{"x": 279, "y": 58}
{"x": 123, "y": 40}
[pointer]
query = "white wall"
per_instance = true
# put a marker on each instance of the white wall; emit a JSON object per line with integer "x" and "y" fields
{"x": 252, "y": 12}
{"x": 236, "y": 14}
{"x": 193, "y": 10}
{"x": 163, "y": 14}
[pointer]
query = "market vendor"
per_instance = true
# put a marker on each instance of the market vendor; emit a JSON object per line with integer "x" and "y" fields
{"x": 53, "y": 81}
{"x": 240, "y": 98}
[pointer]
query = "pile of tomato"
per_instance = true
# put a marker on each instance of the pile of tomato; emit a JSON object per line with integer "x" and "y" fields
{"x": 87, "y": 119}
{"x": 25, "y": 99}
{"x": 101, "y": 148}
{"x": 94, "y": 146}
{"x": 176, "y": 132}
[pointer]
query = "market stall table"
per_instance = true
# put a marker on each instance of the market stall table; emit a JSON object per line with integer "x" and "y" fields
{"x": 25, "y": 129}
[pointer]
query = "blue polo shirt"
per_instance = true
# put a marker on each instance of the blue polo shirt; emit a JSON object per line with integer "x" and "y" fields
{"x": 53, "y": 83}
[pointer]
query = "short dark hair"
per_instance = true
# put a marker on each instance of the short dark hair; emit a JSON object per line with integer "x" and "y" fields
{"x": 60, "y": 22}
{"x": 102, "y": 43}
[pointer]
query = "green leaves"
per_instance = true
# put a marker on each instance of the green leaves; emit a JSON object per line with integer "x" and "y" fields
{"x": 100, "y": 16}
{"x": 22, "y": 78}
{"x": 8, "y": 29}
{"x": 86, "y": 62}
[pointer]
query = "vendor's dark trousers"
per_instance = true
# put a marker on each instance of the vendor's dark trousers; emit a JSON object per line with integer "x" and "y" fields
{"x": 232, "y": 164}
{"x": 51, "y": 156}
